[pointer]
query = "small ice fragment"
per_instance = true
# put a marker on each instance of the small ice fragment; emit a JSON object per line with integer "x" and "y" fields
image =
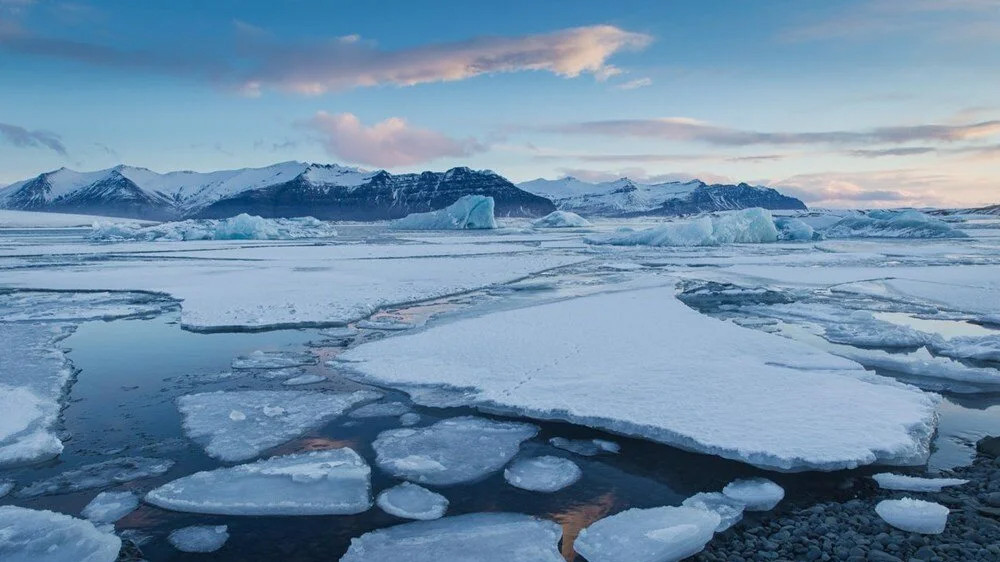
{"x": 542, "y": 474}
{"x": 273, "y": 360}
{"x": 304, "y": 379}
{"x": 199, "y": 538}
{"x": 585, "y": 447}
{"x": 411, "y": 501}
{"x": 29, "y": 535}
{"x": 915, "y": 516}
{"x": 758, "y": 494}
{"x": 889, "y": 481}
{"x": 380, "y": 409}
{"x": 237, "y": 415}
{"x": 5, "y": 487}
{"x": 730, "y": 511}
{"x": 659, "y": 534}
{"x": 409, "y": 418}
{"x": 108, "y": 507}
{"x": 97, "y": 475}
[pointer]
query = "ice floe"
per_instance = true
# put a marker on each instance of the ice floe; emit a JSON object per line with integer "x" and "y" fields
{"x": 67, "y": 306}
{"x": 329, "y": 482}
{"x": 409, "y": 418}
{"x": 542, "y": 474}
{"x": 29, "y": 535}
{"x": 108, "y": 507}
{"x": 748, "y": 226}
{"x": 273, "y": 360}
{"x": 469, "y": 212}
{"x": 902, "y": 482}
{"x": 757, "y": 494}
{"x": 451, "y": 451}
{"x": 411, "y": 501}
{"x": 561, "y": 219}
{"x": 98, "y": 475}
{"x": 767, "y": 400}
{"x": 729, "y": 510}
{"x": 236, "y": 426}
{"x": 303, "y": 379}
{"x": 892, "y": 224}
{"x": 483, "y": 537}
{"x": 199, "y": 538}
{"x": 659, "y": 534}
{"x": 978, "y": 348}
{"x": 586, "y": 447}
{"x": 915, "y": 516}
{"x": 922, "y": 363}
{"x": 239, "y": 227}
{"x": 380, "y": 409}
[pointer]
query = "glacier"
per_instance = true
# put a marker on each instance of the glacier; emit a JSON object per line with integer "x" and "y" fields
{"x": 542, "y": 474}
{"x": 469, "y": 212}
{"x": 29, "y": 535}
{"x": 239, "y": 227}
{"x": 659, "y": 534}
{"x": 199, "y": 538}
{"x": 410, "y": 501}
{"x": 749, "y": 226}
{"x": 914, "y": 516}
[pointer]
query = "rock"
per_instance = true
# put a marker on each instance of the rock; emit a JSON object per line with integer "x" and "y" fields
{"x": 989, "y": 446}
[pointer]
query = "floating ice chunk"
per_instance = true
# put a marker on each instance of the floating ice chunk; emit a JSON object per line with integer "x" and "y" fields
{"x": 659, "y": 534}
{"x": 586, "y": 447}
{"x": 380, "y": 409}
{"x": 240, "y": 227}
{"x": 892, "y": 224}
{"x": 889, "y": 481}
{"x": 758, "y": 494}
{"x": 66, "y": 306}
{"x": 236, "y": 426}
{"x": 922, "y": 364}
{"x": 339, "y": 332}
{"x": 469, "y": 212}
{"x": 793, "y": 229}
{"x": 483, "y": 537}
{"x": 387, "y": 325}
{"x": 561, "y": 219}
{"x": 409, "y": 418}
{"x": 977, "y": 348}
{"x": 273, "y": 360}
{"x": 5, "y": 487}
{"x": 749, "y": 226}
{"x": 542, "y": 474}
{"x": 451, "y": 451}
{"x": 330, "y": 482}
{"x": 108, "y": 507}
{"x": 410, "y": 501}
{"x": 303, "y": 379}
{"x": 199, "y": 538}
{"x": 29, "y": 535}
{"x": 861, "y": 329}
{"x": 98, "y": 475}
{"x": 915, "y": 516}
{"x": 730, "y": 511}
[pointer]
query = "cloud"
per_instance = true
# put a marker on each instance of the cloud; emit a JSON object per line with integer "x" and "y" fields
{"x": 880, "y": 152}
{"x": 388, "y": 143}
{"x": 23, "y": 138}
{"x": 886, "y": 188}
{"x": 635, "y": 84}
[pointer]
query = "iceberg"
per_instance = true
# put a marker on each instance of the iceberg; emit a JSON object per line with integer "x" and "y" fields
{"x": 914, "y": 516}
{"x": 901, "y": 482}
{"x": 561, "y": 219}
{"x": 240, "y": 227}
{"x": 329, "y": 482}
{"x": 380, "y": 410}
{"x": 586, "y": 447}
{"x": 199, "y": 538}
{"x": 273, "y": 360}
{"x": 108, "y": 507}
{"x": 757, "y": 494}
{"x": 236, "y": 426}
{"x": 98, "y": 475}
{"x": 659, "y": 534}
{"x": 749, "y": 226}
{"x": 469, "y": 212}
{"x": 892, "y": 224}
{"x": 768, "y": 401}
{"x": 542, "y": 474}
{"x": 730, "y": 511}
{"x": 410, "y": 501}
{"x": 483, "y": 537}
{"x": 29, "y": 535}
{"x": 794, "y": 229}
{"x": 452, "y": 451}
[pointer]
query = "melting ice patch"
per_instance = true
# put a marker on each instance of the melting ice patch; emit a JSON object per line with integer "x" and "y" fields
{"x": 273, "y": 360}
{"x": 889, "y": 481}
{"x": 469, "y": 212}
{"x": 749, "y": 226}
{"x": 240, "y": 227}
{"x": 199, "y": 538}
{"x": 586, "y": 447}
{"x": 108, "y": 507}
{"x": 98, "y": 475}
{"x": 914, "y": 516}
{"x": 561, "y": 219}
{"x": 659, "y": 534}
{"x": 29, "y": 535}
{"x": 483, "y": 537}
{"x": 892, "y": 224}
{"x": 410, "y": 501}
{"x": 331, "y": 482}
{"x": 451, "y": 451}
{"x": 542, "y": 474}
{"x": 757, "y": 494}
{"x": 236, "y": 426}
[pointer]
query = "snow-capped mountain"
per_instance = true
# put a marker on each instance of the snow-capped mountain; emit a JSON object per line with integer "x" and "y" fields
{"x": 624, "y": 197}
{"x": 288, "y": 189}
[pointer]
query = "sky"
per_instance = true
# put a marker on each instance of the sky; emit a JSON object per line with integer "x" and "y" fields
{"x": 880, "y": 103}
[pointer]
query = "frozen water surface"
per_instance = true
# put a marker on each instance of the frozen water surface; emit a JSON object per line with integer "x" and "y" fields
{"x": 410, "y": 501}
{"x": 659, "y": 534}
{"x": 915, "y": 516}
{"x": 29, "y": 535}
{"x": 199, "y": 538}
{"x": 108, "y": 507}
{"x": 542, "y": 474}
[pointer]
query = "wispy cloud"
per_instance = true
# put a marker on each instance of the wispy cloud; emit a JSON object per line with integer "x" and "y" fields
{"x": 635, "y": 84}
{"x": 886, "y": 188}
{"x": 23, "y": 138}
{"x": 388, "y": 143}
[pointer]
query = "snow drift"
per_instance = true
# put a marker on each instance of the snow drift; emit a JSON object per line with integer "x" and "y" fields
{"x": 240, "y": 227}
{"x": 469, "y": 212}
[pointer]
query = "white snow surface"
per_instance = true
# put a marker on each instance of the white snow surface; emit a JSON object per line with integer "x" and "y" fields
{"x": 483, "y": 537}
{"x": 33, "y": 219}
{"x": 749, "y": 226}
{"x": 757, "y": 494}
{"x": 730, "y": 511}
{"x": 889, "y": 481}
{"x": 239, "y": 227}
{"x": 542, "y": 474}
{"x": 469, "y": 212}
{"x": 767, "y": 400}
{"x": 914, "y": 516}
{"x": 411, "y": 501}
{"x": 329, "y": 482}
{"x": 29, "y": 535}
{"x": 561, "y": 219}
{"x": 659, "y": 534}
{"x": 239, "y": 425}
{"x": 199, "y": 538}
{"x": 108, "y": 507}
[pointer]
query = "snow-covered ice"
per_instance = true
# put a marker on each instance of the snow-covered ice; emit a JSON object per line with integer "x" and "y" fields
{"x": 757, "y": 494}
{"x": 29, "y": 535}
{"x": 240, "y": 227}
{"x": 561, "y": 219}
{"x": 902, "y": 482}
{"x": 749, "y": 226}
{"x": 586, "y": 447}
{"x": 303, "y": 379}
{"x": 411, "y": 501}
{"x": 483, "y": 537}
{"x": 922, "y": 363}
{"x": 273, "y": 360}
{"x": 767, "y": 400}
{"x": 236, "y": 426}
{"x": 97, "y": 475}
{"x": 199, "y": 538}
{"x": 915, "y": 516}
{"x": 730, "y": 511}
{"x": 380, "y": 409}
{"x": 542, "y": 474}
{"x": 659, "y": 534}
{"x": 469, "y": 212}
{"x": 33, "y": 219}
{"x": 108, "y": 507}
{"x": 328, "y": 482}
{"x": 452, "y": 451}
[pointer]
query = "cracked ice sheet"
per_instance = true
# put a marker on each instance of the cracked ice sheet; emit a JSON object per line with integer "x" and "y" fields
{"x": 271, "y": 292}
{"x": 666, "y": 373}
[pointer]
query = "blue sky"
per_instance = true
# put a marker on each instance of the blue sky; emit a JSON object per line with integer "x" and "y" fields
{"x": 878, "y": 103}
